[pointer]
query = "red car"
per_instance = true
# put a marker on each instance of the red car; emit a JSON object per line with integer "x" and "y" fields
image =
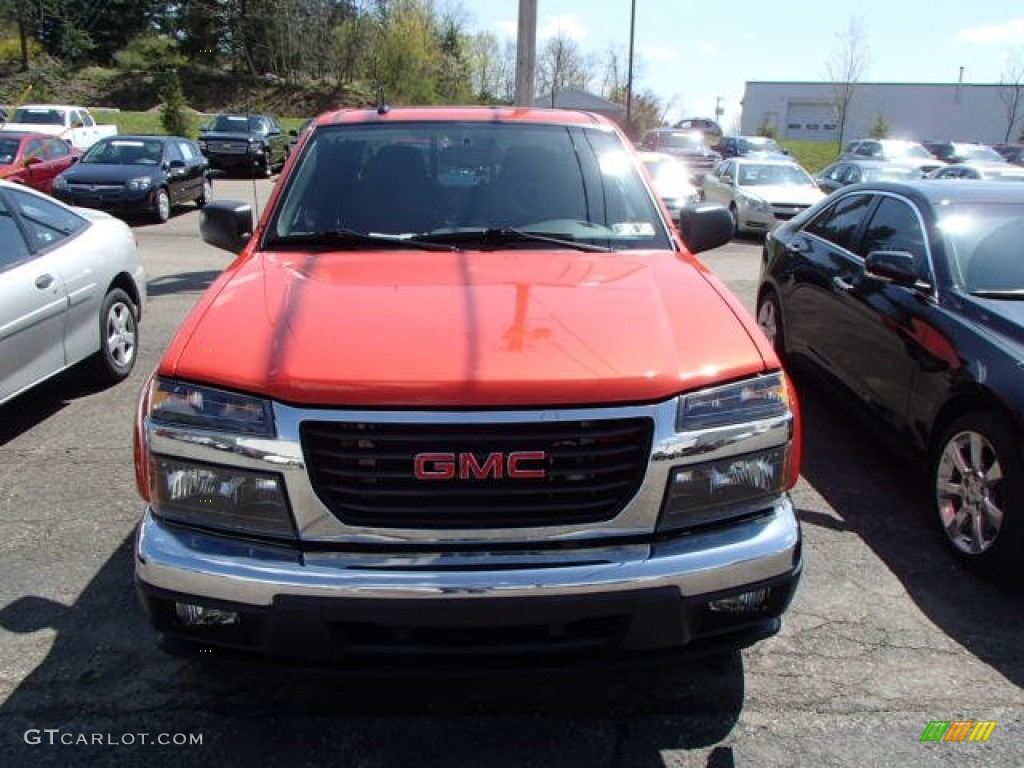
{"x": 34, "y": 159}
{"x": 465, "y": 390}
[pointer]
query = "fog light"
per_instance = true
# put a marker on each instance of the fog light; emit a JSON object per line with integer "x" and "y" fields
{"x": 741, "y": 603}
{"x": 192, "y": 615}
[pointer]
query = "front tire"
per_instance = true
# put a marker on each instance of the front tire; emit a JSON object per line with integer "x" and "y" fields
{"x": 161, "y": 206}
{"x": 769, "y": 319}
{"x": 978, "y": 477}
{"x": 119, "y": 335}
{"x": 736, "y": 232}
{"x": 206, "y": 195}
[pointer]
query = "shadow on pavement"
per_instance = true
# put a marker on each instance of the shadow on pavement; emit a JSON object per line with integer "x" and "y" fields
{"x": 38, "y": 404}
{"x": 183, "y": 282}
{"x": 887, "y": 504}
{"x": 105, "y": 675}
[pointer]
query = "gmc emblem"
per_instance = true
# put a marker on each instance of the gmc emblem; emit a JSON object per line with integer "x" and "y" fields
{"x": 465, "y": 466}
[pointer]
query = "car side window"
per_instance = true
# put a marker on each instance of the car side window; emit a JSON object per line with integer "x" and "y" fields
{"x": 13, "y": 249}
{"x": 894, "y": 226}
{"x": 55, "y": 148}
{"x": 34, "y": 150}
{"x": 840, "y": 222}
{"x": 86, "y": 119}
{"x": 186, "y": 150}
{"x": 48, "y": 223}
{"x": 174, "y": 152}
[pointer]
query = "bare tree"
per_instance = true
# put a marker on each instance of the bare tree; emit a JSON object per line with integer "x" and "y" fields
{"x": 1011, "y": 94}
{"x": 561, "y": 65}
{"x": 846, "y": 67}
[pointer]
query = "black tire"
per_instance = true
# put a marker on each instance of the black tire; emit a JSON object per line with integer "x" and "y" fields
{"x": 206, "y": 195}
{"x": 161, "y": 206}
{"x": 266, "y": 167}
{"x": 769, "y": 319}
{"x": 119, "y": 338}
{"x": 978, "y": 477}
{"x": 735, "y": 221}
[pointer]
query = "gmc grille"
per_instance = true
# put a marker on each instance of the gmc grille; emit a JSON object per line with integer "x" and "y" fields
{"x": 364, "y": 472}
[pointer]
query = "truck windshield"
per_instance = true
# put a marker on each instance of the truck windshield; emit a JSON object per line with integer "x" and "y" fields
{"x": 38, "y": 116}
{"x": 468, "y": 183}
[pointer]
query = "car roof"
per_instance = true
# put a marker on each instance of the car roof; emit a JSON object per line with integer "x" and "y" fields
{"x": 463, "y": 114}
{"x": 951, "y": 190}
{"x": 141, "y": 137}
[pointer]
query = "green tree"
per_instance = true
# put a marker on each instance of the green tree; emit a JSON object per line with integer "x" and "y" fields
{"x": 881, "y": 128}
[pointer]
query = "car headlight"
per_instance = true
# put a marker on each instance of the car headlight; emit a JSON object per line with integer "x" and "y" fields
{"x": 762, "y": 467}
{"x": 60, "y": 183}
{"x": 755, "y": 203}
{"x": 140, "y": 184}
{"x": 202, "y": 145}
{"x": 181, "y": 403}
{"x": 763, "y": 397}
{"x": 225, "y": 498}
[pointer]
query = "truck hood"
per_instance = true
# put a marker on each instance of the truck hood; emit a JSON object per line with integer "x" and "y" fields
{"x": 465, "y": 329}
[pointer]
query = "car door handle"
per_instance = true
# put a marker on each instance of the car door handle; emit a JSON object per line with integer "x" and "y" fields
{"x": 44, "y": 281}
{"x": 839, "y": 284}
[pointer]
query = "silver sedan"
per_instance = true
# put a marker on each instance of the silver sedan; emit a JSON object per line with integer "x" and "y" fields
{"x": 71, "y": 290}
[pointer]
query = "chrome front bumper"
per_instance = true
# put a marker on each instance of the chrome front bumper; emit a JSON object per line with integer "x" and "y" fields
{"x": 214, "y": 567}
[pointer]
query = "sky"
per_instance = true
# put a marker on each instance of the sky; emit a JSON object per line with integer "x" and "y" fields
{"x": 691, "y": 54}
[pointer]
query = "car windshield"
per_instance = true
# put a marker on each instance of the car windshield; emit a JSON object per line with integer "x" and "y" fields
{"x": 124, "y": 152}
{"x": 682, "y": 140}
{"x": 908, "y": 149}
{"x": 38, "y": 116}
{"x": 755, "y": 175}
{"x": 8, "y": 150}
{"x": 759, "y": 145}
{"x": 236, "y": 123}
{"x": 469, "y": 184}
{"x": 891, "y": 174}
{"x": 979, "y": 152}
{"x": 984, "y": 243}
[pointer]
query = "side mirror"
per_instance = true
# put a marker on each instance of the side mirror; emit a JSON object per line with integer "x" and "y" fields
{"x": 892, "y": 266}
{"x": 226, "y": 224}
{"x": 705, "y": 226}
{"x": 176, "y": 164}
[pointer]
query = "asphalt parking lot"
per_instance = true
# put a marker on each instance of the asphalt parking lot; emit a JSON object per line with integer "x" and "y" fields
{"x": 887, "y": 633}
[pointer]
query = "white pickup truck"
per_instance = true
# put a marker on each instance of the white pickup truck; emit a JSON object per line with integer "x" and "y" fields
{"x": 73, "y": 124}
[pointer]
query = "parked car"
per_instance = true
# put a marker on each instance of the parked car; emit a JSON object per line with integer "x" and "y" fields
{"x": 1012, "y": 153}
{"x": 750, "y": 146}
{"x": 906, "y": 299}
{"x": 760, "y": 193}
{"x": 246, "y": 143}
{"x": 988, "y": 171}
{"x": 34, "y": 159}
{"x": 671, "y": 180}
{"x": 74, "y": 124}
{"x": 854, "y": 171}
{"x": 465, "y": 392}
{"x": 963, "y": 152}
{"x": 71, "y": 289}
{"x": 138, "y": 174}
{"x": 689, "y": 146}
{"x": 895, "y": 151}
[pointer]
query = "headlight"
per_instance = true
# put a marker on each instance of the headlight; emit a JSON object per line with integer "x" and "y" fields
{"x": 764, "y": 397}
{"x": 60, "y": 183}
{"x": 202, "y": 145}
{"x": 744, "y": 416}
{"x": 177, "y": 402}
{"x": 756, "y": 203}
{"x": 225, "y": 498}
{"x": 140, "y": 184}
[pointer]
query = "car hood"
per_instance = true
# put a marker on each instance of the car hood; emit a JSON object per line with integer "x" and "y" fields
{"x": 787, "y": 193}
{"x": 104, "y": 173}
{"x": 466, "y": 329}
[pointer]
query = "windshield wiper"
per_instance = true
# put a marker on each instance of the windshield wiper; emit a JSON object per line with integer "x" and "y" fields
{"x": 1008, "y": 293}
{"x": 496, "y": 236}
{"x": 349, "y": 237}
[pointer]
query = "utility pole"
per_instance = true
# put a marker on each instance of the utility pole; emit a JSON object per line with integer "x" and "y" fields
{"x": 629, "y": 75}
{"x": 526, "y": 52}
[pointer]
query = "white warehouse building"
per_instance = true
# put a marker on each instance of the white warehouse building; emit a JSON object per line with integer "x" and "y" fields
{"x": 920, "y": 111}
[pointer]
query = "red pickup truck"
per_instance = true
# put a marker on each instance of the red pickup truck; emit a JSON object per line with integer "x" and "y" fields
{"x": 465, "y": 391}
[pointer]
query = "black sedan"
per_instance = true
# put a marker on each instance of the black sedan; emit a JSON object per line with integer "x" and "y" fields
{"x": 907, "y": 299}
{"x": 137, "y": 174}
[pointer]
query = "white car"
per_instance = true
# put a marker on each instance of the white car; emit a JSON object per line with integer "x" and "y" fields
{"x": 671, "y": 178}
{"x": 71, "y": 289}
{"x": 761, "y": 193}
